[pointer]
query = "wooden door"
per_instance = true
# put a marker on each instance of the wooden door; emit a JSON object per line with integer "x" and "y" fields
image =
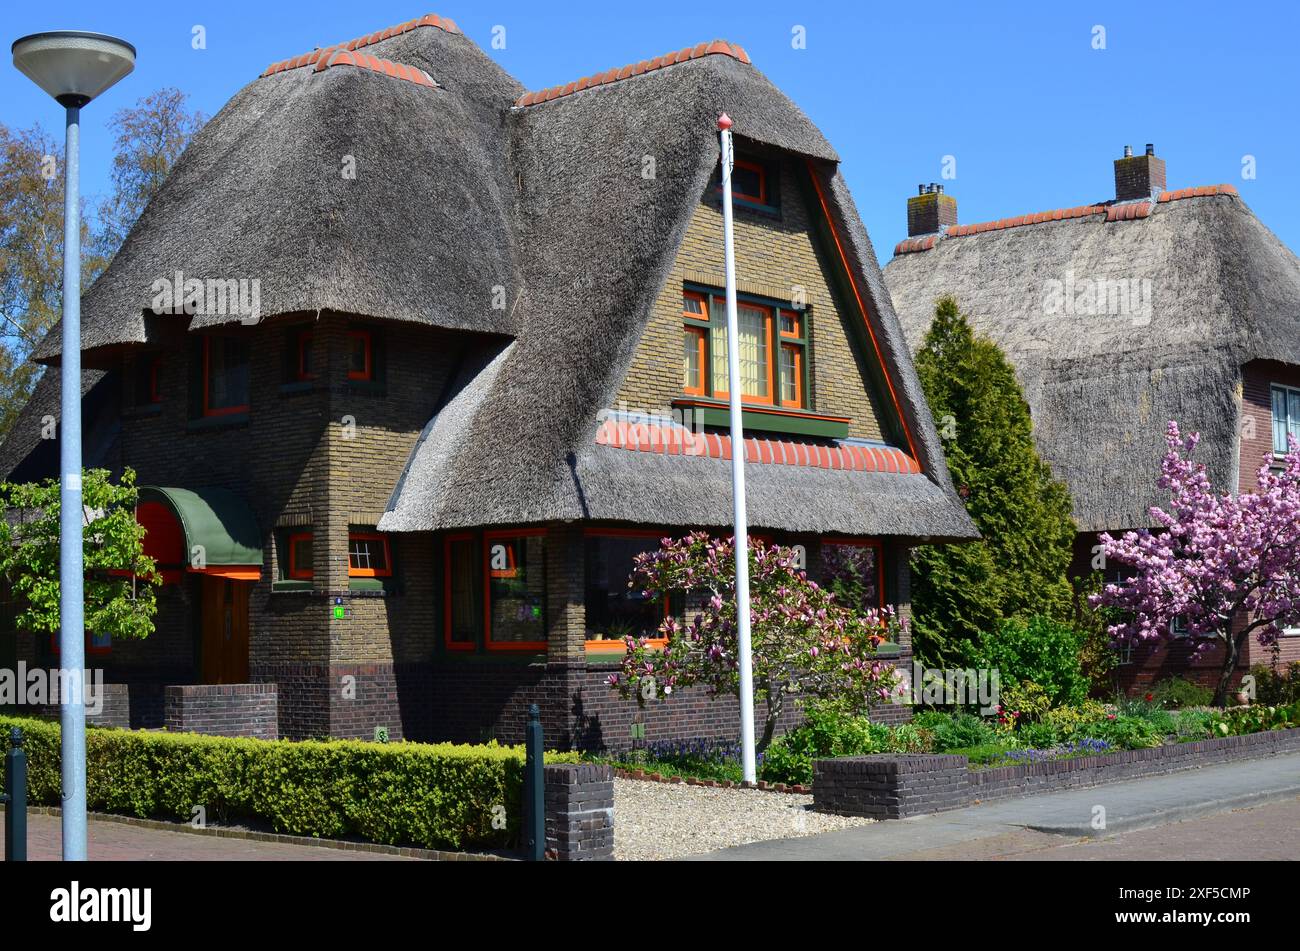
{"x": 225, "y": 630}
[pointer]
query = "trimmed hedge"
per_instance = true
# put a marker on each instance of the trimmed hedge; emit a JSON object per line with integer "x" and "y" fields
{"x": 437, "y": 796}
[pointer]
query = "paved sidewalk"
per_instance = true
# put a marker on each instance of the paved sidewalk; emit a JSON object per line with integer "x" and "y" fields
{"x": 1137, "y": 804}
{"x": 120, "y": 841}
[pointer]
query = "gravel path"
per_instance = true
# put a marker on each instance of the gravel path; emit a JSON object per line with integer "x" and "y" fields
{"x": 667, "y": 821}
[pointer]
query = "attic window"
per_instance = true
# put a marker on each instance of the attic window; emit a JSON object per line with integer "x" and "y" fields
{"x": 303, "y": 356}
{"x": 751, "y": 185}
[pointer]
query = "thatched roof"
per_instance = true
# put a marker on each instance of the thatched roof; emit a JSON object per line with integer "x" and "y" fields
{"x": 472, "y": 183}
{"x": 26, "y": 455}
{"x": 1223, "y": 290}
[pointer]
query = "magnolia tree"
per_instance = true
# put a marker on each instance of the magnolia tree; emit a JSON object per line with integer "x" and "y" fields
{"x": 1227, "y": 566}
{"x": 806, "y": 644}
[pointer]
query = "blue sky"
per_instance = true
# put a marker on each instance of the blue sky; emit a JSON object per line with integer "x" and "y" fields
{"x": 1016, "y": 93}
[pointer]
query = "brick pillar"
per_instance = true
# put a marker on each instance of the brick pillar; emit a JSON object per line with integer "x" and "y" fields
{"x": 580, "y": 812}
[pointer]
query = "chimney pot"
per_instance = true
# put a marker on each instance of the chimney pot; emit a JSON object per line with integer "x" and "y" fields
{"x": 930, "y": 210}
{"x": 1139, "y": 177}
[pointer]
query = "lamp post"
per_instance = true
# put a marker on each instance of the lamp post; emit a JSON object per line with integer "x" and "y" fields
{"x": 748, "y": 760}
{"x": 74, "y": 68}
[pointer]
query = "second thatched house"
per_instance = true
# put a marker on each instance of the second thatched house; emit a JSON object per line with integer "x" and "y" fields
{"x": 466, "y": 362}
{"x": 1119, "y": 316}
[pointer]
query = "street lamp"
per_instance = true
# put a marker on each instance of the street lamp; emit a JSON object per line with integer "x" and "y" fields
{"x": 74, "y": 68}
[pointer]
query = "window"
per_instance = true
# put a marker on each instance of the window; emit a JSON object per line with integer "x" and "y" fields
{"x": 368, "y": 556}
{"x": 225, "y": 376}
{"x": 301, "y": 555}
{"x": 496, "y": 591}
{"x": 516, "y": 590}
{"x": 1178, "y": 626}
{"x": 749, "y": 182}
{"x": 854, "y": 572}
{"x": 463, "y": 604}
{"x": 361, "y": 363}
{"x": 614, "y": 608}
{"x": 1286, "y": 417}
{"x": 772, "y": 343}
{"x": 147, "y": 389}
{"x": 695, "y": 314}
{"x": 304, "y": 366}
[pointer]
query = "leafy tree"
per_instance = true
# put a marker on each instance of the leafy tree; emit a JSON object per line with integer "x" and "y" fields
{"x": 150, "y": 137}
{"x": 962, "y": 593}
{"x": 806, "y": 645}
{"x": 1227, "y": 565}
{"x": 120, "y": 578}
{"x": 31, "y": 257}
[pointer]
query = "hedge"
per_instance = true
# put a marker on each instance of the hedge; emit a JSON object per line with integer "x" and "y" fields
{"x": 437, "y": 796}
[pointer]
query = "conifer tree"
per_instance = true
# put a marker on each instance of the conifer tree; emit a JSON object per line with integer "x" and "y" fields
{"x": 1019, "y": 568}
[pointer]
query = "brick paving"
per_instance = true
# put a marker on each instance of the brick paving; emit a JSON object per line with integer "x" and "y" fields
{"x": 120, "y": 841}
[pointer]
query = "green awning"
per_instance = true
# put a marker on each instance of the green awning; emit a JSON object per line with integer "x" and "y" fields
{"x": 217, "y": 519}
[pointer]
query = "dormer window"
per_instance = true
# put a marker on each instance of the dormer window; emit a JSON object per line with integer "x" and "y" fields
{"x": 1286, "y": 417}
{"x": 773, "y": 343}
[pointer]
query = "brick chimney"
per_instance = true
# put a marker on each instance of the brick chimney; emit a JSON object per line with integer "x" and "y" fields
{"x": 1139, "y": 176}
{"x": 930, "y": 210}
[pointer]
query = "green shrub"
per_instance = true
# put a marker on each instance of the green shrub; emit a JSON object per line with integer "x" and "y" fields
{"x": 829, "y": 733}
{"x": 430, "y": 795}
{"x": 1194, "y": 724}
{"x": 1274, "y": 687}
{"x": 1038, "y": 651}
{"x": 1176, "y": 693}
{"x": 1072, "y": 722}
{"x": 1126, "y": 732}
{"x": 1038, "y": 736}
{"x": 1256, "y": 719}
{"x": 1159, "y": 718}
{"x": 961, "y": 731}
{"x": 1028, "y": 699}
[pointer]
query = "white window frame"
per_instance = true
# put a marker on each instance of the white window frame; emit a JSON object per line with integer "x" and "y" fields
{"x": 1290, "y": 424}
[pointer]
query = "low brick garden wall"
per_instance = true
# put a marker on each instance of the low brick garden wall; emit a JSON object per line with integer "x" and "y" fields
{"x": 223, "y": 710}
{"x": 579, "y": 802}
{"x": 890, "y": 786}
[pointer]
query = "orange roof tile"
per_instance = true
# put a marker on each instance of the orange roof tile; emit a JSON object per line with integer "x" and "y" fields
{"x": 309, "y": 59}
{"x": 717, "y": 47}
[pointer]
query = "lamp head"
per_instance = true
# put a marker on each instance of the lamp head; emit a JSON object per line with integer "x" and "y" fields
{"x": 71, "y": 66}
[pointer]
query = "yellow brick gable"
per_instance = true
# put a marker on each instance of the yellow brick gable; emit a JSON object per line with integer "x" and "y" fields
{"x": 774, "y": 255}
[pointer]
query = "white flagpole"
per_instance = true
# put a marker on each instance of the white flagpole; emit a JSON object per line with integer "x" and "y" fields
{"x": 748, "y": 759}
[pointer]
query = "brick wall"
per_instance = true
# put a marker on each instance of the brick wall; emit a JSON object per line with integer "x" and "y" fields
{"x": 894, "y": 787}
{"x": 1256, "y": 431}
{"x": 773, "y": 254}
{"x": 890, "y": 786}
{"x": 579, "y": 805}
{"x": 223, "y": 710}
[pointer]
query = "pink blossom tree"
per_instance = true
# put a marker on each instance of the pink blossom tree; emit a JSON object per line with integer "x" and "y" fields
{"x": 1227, "y": 566}
{"x": 805, "y": 643}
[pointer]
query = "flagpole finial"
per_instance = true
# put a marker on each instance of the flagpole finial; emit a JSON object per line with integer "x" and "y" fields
{"x": 724, "y": 122}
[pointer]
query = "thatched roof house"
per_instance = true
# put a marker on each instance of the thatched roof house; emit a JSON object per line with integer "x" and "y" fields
{"x": 1119, "y": 316}
{"x": 466, "y": 293}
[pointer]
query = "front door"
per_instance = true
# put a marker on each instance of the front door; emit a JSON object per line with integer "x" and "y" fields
{"x": 225, "y": 630}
